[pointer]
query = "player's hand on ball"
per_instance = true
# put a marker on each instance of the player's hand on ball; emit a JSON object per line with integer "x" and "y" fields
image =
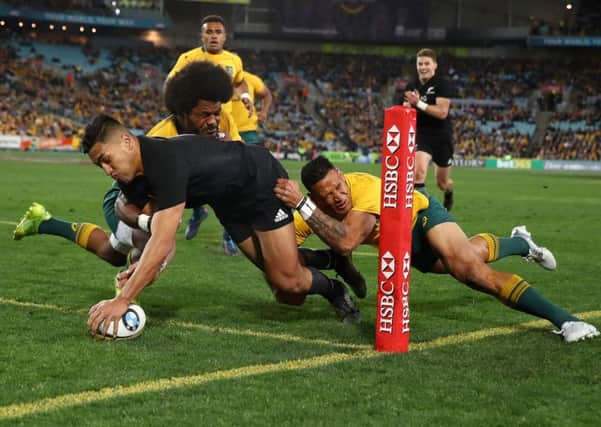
{"x": 288, "y": 192}
{"x": 107, "y": 312}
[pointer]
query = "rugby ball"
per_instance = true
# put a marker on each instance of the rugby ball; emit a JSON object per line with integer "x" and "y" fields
{"x": 130, "y": 325}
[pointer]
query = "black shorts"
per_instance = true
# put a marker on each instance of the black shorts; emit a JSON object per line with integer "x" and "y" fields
{"x": 439, "y": 146}
{"x": 258, "y": 209}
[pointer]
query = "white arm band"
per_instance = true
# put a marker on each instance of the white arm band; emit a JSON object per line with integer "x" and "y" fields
{"x": 421, "y": 105}
{"x": 306, "y": 207}
{"x": 244, "y": 96}
{"x": 144, "y": 222}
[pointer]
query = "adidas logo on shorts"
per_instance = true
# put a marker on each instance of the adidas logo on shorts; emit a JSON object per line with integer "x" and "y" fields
{"x": 280, "y": 216}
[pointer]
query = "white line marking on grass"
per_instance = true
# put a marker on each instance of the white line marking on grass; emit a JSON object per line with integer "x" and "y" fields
{"x": 203, "y": 327}
{"x": 261, "y": 334}
{"x": 359, "y": 253}
{"x": 10, "y": 301}
{"x": 8, "y": 223}
{"x": 161, "y": 385}
{"x": 20, "y": 410}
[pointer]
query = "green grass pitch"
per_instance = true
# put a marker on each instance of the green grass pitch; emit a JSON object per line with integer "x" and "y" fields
{"x": 217, "y": 349}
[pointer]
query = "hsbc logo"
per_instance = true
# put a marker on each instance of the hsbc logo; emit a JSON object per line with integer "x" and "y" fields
{"x": 387, "y": 265}
{"x": 411, "y": 141}
{"x": 393, "y": 139}
{"x": 406, "y": 265}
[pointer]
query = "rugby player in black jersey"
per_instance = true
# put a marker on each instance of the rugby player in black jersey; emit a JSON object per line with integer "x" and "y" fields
{"x": 236, "y": 180}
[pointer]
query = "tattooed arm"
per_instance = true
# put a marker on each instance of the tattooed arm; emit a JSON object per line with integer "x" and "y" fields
{"x": 341, "y": 235}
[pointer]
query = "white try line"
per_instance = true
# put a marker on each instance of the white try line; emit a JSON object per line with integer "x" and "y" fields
{"x": 200, "y": 326}
{"x": 20, "y": 410}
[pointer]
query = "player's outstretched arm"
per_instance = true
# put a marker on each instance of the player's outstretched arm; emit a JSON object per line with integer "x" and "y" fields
{"x": 344, "y": 235}
{"x": 159, "y": 248}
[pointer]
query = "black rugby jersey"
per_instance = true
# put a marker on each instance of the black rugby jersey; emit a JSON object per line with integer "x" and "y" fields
{"x": 196, "y": 170}
{"x": 435, "y": 87}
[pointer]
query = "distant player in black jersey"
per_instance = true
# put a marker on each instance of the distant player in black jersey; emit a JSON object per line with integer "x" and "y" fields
{"x": 430, "y": 94}
{"x": 236, "y": 180}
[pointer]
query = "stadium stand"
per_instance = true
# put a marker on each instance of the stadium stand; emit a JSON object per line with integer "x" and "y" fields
{"x": 324, "y": 101}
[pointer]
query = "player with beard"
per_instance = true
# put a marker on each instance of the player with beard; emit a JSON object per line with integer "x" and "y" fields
{"x": 213, "y": 38}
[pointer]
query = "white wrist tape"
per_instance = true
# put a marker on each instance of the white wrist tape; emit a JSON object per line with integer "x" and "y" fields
{"x": 306, "y": 207}
{"x": 144, "y": 222}
{"x": 421, "y": 105}
{"x": 244, "y": 95}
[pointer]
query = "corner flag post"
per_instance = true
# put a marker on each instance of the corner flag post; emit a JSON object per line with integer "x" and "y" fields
{"x": 396, "y": 210}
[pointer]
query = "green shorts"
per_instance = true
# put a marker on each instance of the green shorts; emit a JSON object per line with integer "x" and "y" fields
{"x": 108, "y": 207}
{"x": 422, "y": 255}
{"x": 250, "y": 137}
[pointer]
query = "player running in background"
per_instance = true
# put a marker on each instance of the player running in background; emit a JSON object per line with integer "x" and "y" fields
{"x": 430, "y": 94}
{"x": 344, "y": 212}
{"x": 247, "y": 126}
{"x": 213, "y": 38}
{"x": 237, "y": 180}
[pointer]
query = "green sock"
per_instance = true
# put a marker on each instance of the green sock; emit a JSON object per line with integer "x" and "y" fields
{"x": 533, "y": 302}
{"x": 76, "y": 232}
{"x": 501, "y": 247}
{"x": 512, "y": 246}
{"x": 519, "y": 295}
{"x": 56, "y": 227}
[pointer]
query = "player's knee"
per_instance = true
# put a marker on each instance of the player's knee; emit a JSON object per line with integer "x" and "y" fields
{"x": 442, "y": 183}
{"x": 480, "y": 246}
{"x": 286, "y": 281}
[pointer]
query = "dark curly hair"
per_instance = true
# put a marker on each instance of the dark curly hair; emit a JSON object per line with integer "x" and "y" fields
{"x": 199, "y": 80}
{"x": 98, "y": 131}
{"x": 315, "y": 171}
{"x": 212, "y": 18}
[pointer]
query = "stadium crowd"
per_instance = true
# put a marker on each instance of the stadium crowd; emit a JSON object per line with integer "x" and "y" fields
{"x": 323, "y": 101}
